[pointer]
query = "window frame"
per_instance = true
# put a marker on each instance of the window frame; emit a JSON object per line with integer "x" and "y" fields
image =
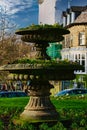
{"x": 82, "y": 38}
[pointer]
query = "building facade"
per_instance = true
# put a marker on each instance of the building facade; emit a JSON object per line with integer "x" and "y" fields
{"x": 75, "y": 19}
{"x": 75, "y": 43}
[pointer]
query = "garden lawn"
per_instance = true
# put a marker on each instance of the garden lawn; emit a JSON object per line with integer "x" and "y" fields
{"x": 72, "y": 113}
{"x": 68, "y": 102}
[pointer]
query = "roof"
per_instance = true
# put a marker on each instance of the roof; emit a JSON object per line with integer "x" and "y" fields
{"x": 74, "y": 9}
{"x": 80, "y": 20}
{"x": 78, "y": 8}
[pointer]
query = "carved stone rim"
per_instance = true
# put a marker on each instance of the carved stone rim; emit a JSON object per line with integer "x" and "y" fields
{"x": 41, "y": 66}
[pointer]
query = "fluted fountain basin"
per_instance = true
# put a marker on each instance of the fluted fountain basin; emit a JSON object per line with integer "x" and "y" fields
{"x": 42, "y": 33}
{"x": 49, "y": 70}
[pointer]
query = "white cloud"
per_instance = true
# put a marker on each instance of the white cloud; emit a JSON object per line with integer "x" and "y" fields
{"x": 14, "y": 6}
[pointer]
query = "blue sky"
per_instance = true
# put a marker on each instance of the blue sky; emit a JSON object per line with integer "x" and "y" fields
{"x": 25, "y": 12}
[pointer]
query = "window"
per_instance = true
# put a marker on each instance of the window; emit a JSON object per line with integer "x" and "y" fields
{"x": 80, "y": 58}
{"x": 70, "y": 17}
{"x": 83, "y": 61}
{"x": 67, "y": 41}
{"x": 81, "y": 38}
{"x": 71, "y": 40}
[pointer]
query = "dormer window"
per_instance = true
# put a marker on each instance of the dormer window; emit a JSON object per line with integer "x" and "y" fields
{"x": 81, "y": 38}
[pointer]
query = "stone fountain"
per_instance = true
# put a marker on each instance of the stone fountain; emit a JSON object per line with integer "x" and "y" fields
{"x": 41, "y": 70}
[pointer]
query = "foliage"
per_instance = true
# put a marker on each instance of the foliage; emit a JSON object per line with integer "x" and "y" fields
{"x": 10, "y": 50}
{"x": 50, "y": 63}
{"x": 56, "y": 32}
{"x": 1, "y": 125}
{"x": 42, "y": 27}
{"x": 54, "y": 62}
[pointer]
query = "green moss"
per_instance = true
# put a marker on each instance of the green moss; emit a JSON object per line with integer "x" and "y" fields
{"x": 49, "y": 63}
{"x": 53, "y": 62}
{"x": 56, "y": 28}
{"x": 37, "y": 27}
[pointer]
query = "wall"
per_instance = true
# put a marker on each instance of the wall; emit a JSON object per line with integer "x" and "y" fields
{"x": 72, "y": 50}
{"x": 74, "y": 32}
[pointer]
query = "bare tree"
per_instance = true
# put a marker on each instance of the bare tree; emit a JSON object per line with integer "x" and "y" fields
{"x": 11, "y": 47}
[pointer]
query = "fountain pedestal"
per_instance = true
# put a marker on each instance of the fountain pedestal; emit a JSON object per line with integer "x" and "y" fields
{"x": 39, "y": 107}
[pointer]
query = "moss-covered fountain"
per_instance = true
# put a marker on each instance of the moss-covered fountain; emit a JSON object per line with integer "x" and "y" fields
{"x": 41, "y": 70}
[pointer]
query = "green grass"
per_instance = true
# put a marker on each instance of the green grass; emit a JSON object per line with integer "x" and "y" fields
{"x": 72, "y": 109}
{"x": 73, "y": 102}
{"x": 14, "y": 102}
{"x": 70, "y": 103}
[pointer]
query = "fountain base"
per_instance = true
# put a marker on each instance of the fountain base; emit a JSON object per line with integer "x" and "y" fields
{"x": 39, "y": 108}
{"x": 39, "y": 116}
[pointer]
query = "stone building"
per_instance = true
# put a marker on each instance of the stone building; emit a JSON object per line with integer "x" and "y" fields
{"x": 75, "y": 43}
{"x": 75, "y": 19}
